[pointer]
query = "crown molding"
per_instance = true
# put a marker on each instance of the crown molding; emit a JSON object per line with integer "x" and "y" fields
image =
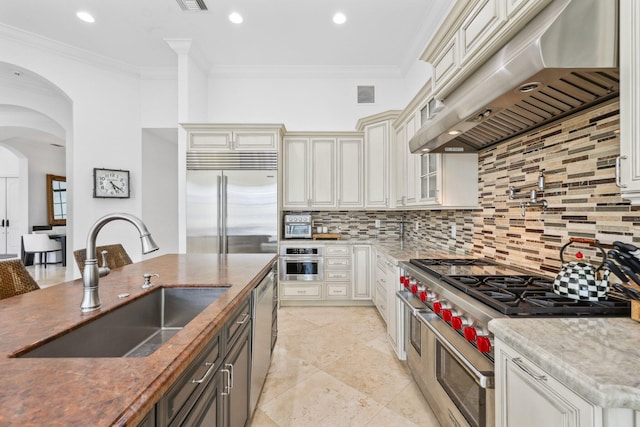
{"x": 308, "y": 71}
{"x": 36, "y": 41}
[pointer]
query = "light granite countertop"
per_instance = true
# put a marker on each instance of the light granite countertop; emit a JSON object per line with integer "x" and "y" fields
{"x": 595, "y": 357}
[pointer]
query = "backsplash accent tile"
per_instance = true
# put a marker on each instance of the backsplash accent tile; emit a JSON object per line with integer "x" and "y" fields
{"x": 578, "y": 159}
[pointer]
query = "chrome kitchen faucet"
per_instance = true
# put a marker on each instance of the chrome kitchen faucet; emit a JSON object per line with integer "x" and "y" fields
{"x": 92, "y": 274}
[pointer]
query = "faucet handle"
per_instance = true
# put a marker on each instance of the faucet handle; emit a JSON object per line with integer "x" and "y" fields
{"x": 147, "y": 280}
{"x": 104, "y": 270}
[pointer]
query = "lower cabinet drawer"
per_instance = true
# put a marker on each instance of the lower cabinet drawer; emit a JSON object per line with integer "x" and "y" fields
{"x": 237, "y": 320}
{"x": 174, "y": 406}
{"x": 338, "y": 290}
{"x": 313, "y": 291}
{"x": 342, "y": 263}
{"x": 341, "y": 276}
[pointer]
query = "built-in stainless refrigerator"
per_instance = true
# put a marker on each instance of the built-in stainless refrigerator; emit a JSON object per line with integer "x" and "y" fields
{"x": 232, "y": 203}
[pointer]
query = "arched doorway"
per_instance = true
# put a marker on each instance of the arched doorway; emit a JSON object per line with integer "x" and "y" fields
{"x": 32, "y": 145}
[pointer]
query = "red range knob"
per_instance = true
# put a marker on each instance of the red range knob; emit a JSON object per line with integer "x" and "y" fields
{"x": 423, "y": 296}
{"x": 406, "y": 282}
{"x": 470, "y": 333}
{"x": 456, "y": 322}
{"x": 402, "y": 280}
{"x": 414, "y": 289}
{"x": 484, "y": 344}
{"x": 437, "y": 307}
{"x": 447, "y": 315}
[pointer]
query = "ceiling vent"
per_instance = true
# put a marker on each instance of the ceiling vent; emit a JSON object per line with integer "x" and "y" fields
{"x": 366, "y": 94}
{"x": 192, "y": 5}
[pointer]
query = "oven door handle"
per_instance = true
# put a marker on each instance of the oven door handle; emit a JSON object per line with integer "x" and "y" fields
{"x": 483, "y": 379}
{"x": 407, "y": 303}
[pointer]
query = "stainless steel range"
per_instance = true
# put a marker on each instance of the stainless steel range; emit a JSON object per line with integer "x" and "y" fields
{"x": 448, "y": 305}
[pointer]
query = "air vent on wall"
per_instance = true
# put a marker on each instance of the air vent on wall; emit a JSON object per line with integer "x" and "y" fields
{"x": 366, "y": 94}
{"x": 192, "y": 5}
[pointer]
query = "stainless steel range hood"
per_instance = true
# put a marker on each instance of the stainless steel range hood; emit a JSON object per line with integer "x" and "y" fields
{"x": 563, "y": 61}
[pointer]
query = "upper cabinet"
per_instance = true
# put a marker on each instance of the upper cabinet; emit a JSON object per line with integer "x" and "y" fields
{"x": 378, "y": 139}
{"x": 208, "y": 137}
{"x": 425, "y": 180}
{"x": 470, "y": 34}
{"x": 448, "y": 180}
{"x": 322, "y": 170}
{"x": 628, "y": 164}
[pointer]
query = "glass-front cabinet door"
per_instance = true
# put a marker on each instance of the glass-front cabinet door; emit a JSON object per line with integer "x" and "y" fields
{"x": 429, "y": 178}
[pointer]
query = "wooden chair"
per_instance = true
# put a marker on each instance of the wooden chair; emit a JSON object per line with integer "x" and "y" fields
{"x": 116, "y": 256}
{"x": 15, "y": 279}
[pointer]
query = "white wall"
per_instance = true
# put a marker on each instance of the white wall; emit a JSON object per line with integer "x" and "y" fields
{"x": 159, "y": 187}
{"x": 159, "y": 101}
{"x": 105, "y": 132}
{"x": 302, "y": 104}
{"x": 112, "y": 104}
{"x": 8, "y": 163}
{"x": 43, "y": 159}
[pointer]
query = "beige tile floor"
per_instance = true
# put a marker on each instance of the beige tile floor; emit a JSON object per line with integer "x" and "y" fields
{"x": 45, "y": 277}
{"x": 333, "y": 366}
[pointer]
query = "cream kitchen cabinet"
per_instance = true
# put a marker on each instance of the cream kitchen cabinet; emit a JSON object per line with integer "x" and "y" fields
{"x": 378, "y": 137}
{"x": 380, "y": 291}
{"x": 387, "y": 282}
{"x": 212, "y": 137}
{"x": 350, "y": 164}
{"x": 431, "y": 181}
{"x": 338, "y": 264}
{"x": 406, "y": 164}
{"x": 470, "y": 34}
{"x": 526, "y": 396}
{"x": 628, "y": 164}
{"x": 346, "y": 279}
{"x": 449, "y": 180}
{"x": 361, "y": 272}
{"x": 322, "y": 170}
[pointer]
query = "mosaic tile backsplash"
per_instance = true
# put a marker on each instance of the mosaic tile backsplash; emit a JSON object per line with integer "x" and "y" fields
{"x": 577, "y": 157}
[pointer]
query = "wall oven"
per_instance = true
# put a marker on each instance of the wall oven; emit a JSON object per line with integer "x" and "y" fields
{"x": 301, "y": 263}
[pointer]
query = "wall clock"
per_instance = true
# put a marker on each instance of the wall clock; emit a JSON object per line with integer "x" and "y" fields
{"x": 110, "y": 183}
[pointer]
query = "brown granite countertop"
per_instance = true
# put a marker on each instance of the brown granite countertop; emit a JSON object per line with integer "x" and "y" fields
{"x": 110, "y": 391}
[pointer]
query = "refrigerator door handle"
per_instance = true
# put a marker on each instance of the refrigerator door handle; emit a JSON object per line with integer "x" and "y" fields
{"x": 220, "y": 229}
{"x": 223, "y": 216}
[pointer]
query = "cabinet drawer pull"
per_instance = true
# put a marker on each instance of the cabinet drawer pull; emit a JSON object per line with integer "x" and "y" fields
{"x": 244, "y": 319}
{"x": 520, "y": 364}
{"x": 619, "y": 183}
{"x": 230, "y": 373}
{"x": 206, "y": 374}
{"x": 225, "y": 387}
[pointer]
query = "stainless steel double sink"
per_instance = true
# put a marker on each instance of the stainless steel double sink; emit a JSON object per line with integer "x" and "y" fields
{"x": 136, "y": 329}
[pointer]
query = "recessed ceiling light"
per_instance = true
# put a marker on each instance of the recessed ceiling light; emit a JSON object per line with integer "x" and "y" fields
{"x": 339, "y": 18}
{"x": 86, "y": 17}
{"x": 454, "y": 132}
{"x": 236, "y": 18}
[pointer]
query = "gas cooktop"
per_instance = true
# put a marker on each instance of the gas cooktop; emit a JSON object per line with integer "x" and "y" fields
{"x": 514, "y": 292}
